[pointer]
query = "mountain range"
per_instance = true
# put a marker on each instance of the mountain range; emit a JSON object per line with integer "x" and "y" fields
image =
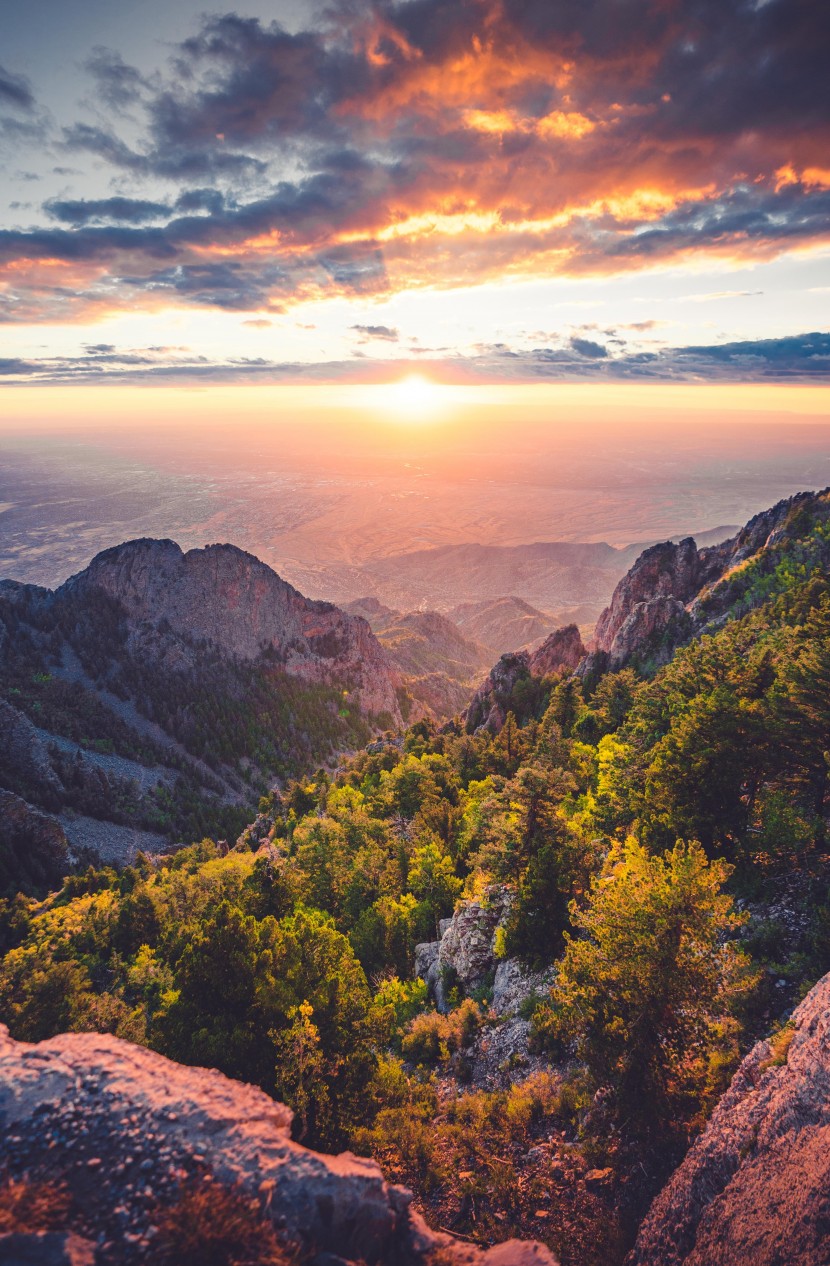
{"x": 526, "y": 958}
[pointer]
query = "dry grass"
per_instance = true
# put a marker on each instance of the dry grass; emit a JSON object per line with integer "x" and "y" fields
{"x": 214, "y": 1225}
{"x": 33, "y": 1206}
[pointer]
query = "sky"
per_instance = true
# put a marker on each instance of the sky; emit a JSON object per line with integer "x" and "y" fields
{"x": 455, "y": 191}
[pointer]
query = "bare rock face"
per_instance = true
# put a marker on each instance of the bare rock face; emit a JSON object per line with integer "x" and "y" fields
{"x": 753, "y": 1190}
{"x": 230, "y": 600}
{"x": 466, "y": 947}
{"x": 123, "y": 1127}
{"x": 513, "y": 986}
{"x": 488, "y": 703}
{"x": 656, "y": 607}
{"x": 562, "y": 651}
{"x": 650, "y": 600}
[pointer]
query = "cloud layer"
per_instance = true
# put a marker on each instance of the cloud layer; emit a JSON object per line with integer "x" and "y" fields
{"x": 799, "y": 358}
{"x": 434, "y": 142}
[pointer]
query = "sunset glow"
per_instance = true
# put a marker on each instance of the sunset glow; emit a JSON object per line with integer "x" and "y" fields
{"x": 512, "y": 192}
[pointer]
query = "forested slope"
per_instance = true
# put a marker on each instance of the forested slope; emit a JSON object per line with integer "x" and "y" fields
{"x": 654, "y": 842}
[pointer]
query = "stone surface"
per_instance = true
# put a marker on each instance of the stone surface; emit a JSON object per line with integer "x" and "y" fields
{"x": 123, "y": 1126}
{"x": 46, "y": 1248}
{"x": 466, "y": 947}
{"x": 426, "y": 956}
{"x": 562, "y": 651}
{"x": 513, "y": 986}
{"x": 656, "y": 607}
{"x": 755, "y": 1188}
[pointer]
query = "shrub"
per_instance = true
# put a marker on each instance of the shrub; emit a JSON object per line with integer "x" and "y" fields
{"x": 433, "y": 1037}
{"x": 214, "y": 1225}
{"x": 33, "y": 1206}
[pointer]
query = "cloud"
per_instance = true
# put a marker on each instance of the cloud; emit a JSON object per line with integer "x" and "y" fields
{"x": 721, "y": 294}
{"x": 443, "y": 142}
{"x": 384, "y": 332}
{"x": 92, "y": 211}
{"x": 118, "y": 85}
{"x": 15, "y": 91}
{"x": 586, "y": 347}
{"x": 803, "y": 358}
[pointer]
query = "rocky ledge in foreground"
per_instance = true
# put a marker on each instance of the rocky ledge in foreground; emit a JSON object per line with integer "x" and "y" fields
{"x": 755, "y": 1188}
{"x": 126, "y": 1131}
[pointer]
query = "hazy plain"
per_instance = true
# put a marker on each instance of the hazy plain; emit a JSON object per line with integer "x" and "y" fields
{"x": 345, "y": 501}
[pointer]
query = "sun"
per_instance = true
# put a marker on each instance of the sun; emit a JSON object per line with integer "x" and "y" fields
{"x": 414, "y": 398}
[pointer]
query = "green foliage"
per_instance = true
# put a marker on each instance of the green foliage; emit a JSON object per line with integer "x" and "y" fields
{"x": 293, "y": 967}
{"x": 432, "y": 1038}
{"x": 647, "y": 985}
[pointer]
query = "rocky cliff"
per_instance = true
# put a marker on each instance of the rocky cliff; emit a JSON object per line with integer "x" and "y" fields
{"x": 753, "y": 1190}
{"x": 562, "y": 651}
{"x": 675, "y": 591}
{"x": 232, "y": 602}
{"x": 128, "y": 1132}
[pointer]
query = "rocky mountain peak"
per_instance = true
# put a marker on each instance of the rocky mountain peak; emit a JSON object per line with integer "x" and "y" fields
{"x": 656, "y": 606}
{"x": 227, "y": 598}
{"x": 562, "y": 651}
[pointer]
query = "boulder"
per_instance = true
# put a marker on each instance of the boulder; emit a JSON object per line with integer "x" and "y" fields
{"x": 513, "y": 985}
{"x": 123, "y": 1127}
{"x": 466, "y": 947}
{"x": 426, "y": 956}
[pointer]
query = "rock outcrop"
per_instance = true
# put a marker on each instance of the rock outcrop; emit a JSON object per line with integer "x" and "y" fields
{"x": 562, "y": 651}
{"x": 674, "y": 591}
{"x": 464, "y": 953}
{"x": 649, "y": 603}
{"x": 500, "y": 1054}
{"x": 156, "y": 683}
{"x": 753, "y": 1190}
{"x": 124, "y": 1129}
{"x": 466, "y": 948}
